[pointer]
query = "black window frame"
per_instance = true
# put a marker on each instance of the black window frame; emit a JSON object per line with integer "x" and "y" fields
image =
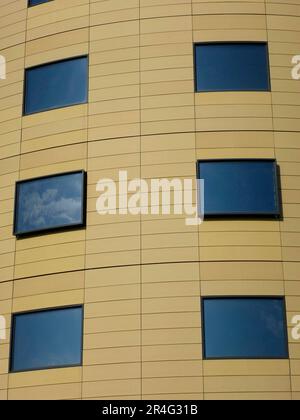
{"x": 36, "y": 311}
{"x": 63, "y": 60}
{"x": 266, "y": 43}
{"x": 38, "y": 232}
{"x": 239, "y": 297}
{"x": 248, "y": 215}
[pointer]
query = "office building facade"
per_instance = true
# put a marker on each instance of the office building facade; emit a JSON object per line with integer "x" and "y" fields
{"x": 146, "y": 306}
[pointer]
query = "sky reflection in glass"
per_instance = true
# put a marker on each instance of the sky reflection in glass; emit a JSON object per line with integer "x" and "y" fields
{"x": 232, "y": 67}
{"x": 47, "y": 339}
{"x": 245, "y": 328}
{"x": 56, "y": 85}
{"x": 49, "y": 203}
{"x": 35, "y": 2}
{"x": 240, "y": 187}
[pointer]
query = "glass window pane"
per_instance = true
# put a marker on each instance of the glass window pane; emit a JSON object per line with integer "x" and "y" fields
{"x": 240, "y": 187}
{"x": 245, "y": 328}
{"x": 56, "y": 85}
{"x": 47, "y": 339}
{"x": 232, "y": 67}
{"x": 49, "y": 203}
{"x": 35, "y": 2}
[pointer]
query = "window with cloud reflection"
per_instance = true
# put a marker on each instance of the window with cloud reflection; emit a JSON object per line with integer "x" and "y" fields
{"x": 49, "y": 203}
{"x": 245, "y": 328}
{"x": 47, "y": 339}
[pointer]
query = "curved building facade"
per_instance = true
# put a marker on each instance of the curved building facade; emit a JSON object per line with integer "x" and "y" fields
{"x": 139, "y": 279}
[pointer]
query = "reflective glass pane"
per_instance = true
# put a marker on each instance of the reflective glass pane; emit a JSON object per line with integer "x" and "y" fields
{"x": 240, "y": 187}
{"x": 56, "y": 85}
{"x": 245, "y": 328}
{"x": 232, "y": 67}
{"x": 47, "y": 339}
{"x": 34, "y": 2}
{"x": 48, "y": 203}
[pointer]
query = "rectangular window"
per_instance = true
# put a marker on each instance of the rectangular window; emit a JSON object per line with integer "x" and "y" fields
{"x": 232, "y": 67}
{"x": 247, "y": 187}
{"x": 47, "y": 339}
{"x": 36, "y": 2}
{"x": 56, "y": 85}
{"x": 49, "y": 203}
{"x": 244, "y": 328}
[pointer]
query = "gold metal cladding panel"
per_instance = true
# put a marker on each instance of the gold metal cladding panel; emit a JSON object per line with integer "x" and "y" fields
{"x": 141, "y": 278}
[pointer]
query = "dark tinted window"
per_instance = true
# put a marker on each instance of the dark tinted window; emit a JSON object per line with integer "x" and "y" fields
{"x": 240, "y": 187}
{"x": 49, "y": 203}
{"x": 47, "y": 339}
{"x": 232, "y": 67}
{"x": 245, "y": 328}
{"x": 56, "y": 85}
{"x": 34, "y": 2}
